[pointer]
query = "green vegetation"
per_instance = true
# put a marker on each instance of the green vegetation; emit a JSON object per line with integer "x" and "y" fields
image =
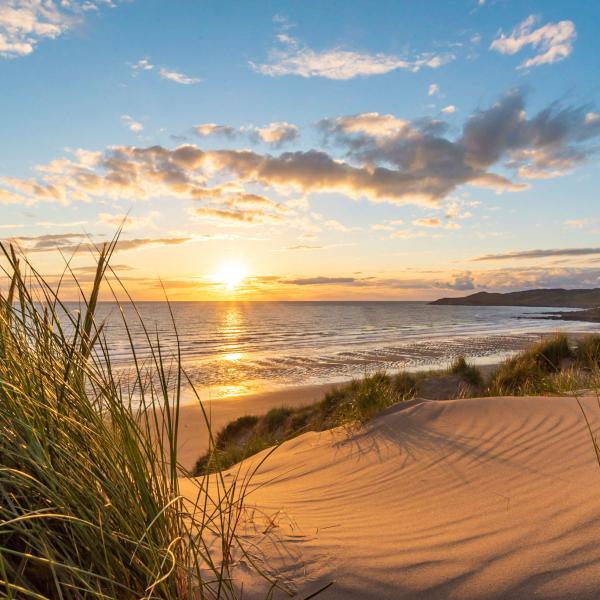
{"x": 587, "y": 352}
{"x": 551, "y": 366}
{"x": 90, "y": 500}
{"x": 469, "y": 373}
{"x": 531, "y": 371}
{"x": 355, "y": 402}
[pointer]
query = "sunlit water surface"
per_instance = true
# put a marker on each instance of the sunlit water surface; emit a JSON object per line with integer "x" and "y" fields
{"x": 234, "y": 348}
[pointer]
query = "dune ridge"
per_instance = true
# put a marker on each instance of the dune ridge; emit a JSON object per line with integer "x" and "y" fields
{"x": 472, "y": 499}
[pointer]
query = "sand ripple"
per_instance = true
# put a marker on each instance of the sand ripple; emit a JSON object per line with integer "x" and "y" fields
{"x": 464, "y": 499}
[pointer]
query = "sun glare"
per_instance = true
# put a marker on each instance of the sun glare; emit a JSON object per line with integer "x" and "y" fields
{"x": 231, "y": 274}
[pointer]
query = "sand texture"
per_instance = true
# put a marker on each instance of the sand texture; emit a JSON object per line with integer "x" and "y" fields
{"x": 462, "y": 499}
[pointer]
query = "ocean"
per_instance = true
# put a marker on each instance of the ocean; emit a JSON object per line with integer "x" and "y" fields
{"x": 237, "y": 348}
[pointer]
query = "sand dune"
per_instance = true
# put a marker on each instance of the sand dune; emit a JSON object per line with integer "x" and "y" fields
{"x": 466, "y": 499}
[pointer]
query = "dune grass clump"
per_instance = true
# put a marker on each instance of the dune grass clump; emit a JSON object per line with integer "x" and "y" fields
{"x": 90, "y": 500}
{"x": 355, "y": 402}
{"x": 529, "y": 371}
{"x": 587, "y": 352}
{"x": 466, "y": 371}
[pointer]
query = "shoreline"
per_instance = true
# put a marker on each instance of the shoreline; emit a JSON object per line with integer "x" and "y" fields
{"x": 193, "y": 432}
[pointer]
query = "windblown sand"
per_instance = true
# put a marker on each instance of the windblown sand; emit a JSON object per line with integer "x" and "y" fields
{"x": 463, "y": 499}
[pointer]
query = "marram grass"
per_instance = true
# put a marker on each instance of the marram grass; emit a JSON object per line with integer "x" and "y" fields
{"x": 90, "y": 499}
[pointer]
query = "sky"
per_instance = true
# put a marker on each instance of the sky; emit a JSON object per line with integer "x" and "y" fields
{"x": 334, "y": 150}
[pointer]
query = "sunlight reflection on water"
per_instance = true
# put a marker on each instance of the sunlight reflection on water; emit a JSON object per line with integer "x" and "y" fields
{"x": 233, "y": 348}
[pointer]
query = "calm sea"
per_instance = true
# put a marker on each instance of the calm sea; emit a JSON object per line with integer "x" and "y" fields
{"x": 232, "y": 348}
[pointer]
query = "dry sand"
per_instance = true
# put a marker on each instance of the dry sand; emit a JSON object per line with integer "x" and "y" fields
{"x": 463, "y": 499}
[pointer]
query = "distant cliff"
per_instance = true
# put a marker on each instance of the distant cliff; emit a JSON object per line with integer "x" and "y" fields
{"x": 553, "y": 297}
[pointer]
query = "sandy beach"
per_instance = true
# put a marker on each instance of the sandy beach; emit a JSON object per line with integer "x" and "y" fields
{"x": 471, "y": 499}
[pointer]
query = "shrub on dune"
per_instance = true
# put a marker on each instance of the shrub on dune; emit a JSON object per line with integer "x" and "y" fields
{"x": 588, "y": 352}
{"x": 528, "y": 371}
{"x": 469, "y": 373}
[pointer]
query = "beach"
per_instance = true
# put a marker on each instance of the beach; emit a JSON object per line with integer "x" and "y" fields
{"x": 471, "y": 499}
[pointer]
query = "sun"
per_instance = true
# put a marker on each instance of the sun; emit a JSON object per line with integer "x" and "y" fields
{"x": 231, "y": 274}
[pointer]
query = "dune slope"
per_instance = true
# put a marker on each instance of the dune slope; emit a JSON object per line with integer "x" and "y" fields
{"x": 470, "y": 499}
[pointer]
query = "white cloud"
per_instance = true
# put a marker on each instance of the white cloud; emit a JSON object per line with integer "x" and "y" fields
{"x": 591, "y": 117}
{"x": 180, "y": 78}
{"x": 434, "y": 89}
{"x": 24, "y": 23}
{"x": 553, "y": 41}
{"x": 293, "y": 58}
{"x": 143, "y": 64}
{"x": 131, "y": 124}
{"x": 372, "y": 124}
{"x": 449, "y": 110}
{"x": 277, "y": 133}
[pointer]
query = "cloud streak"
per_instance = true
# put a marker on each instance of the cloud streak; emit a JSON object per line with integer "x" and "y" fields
{"x": 293, "y": 58}
{"x": 177, "y": 77}
{"x": 553, "y": 42}
{"x": 539, "y": 253}
{"x": 81, "y": 242}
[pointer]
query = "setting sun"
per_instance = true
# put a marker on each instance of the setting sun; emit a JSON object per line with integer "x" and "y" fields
{"x": 231, "y": 274}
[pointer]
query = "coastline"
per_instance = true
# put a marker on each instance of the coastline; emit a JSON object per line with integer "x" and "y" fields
{"x": 193, "y": 433}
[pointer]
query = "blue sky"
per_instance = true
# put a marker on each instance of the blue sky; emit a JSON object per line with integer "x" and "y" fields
{"x": 324, "y": 149}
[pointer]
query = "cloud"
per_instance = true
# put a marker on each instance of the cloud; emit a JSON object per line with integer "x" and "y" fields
{"x": 275, "y": 134}
{"x": 553, "y": 41}
{"x": 207, "y": 129}
{"x": 25, "y": 23}
{"x": 378, "y": 157}
{"x": 372, "y": 124}
{"x": 131, "y": 124}
{"x": 462, "y": 281}
{"x": 553, "y": 277}
{"x": 592, "y": 117}
{"x": 304, "y": 247}
{"x": 177, "y": 77}
{"x": 294, "y": 58}
{"x": 321, "y": 280}
{"x": 449, "y": 110}
{"x": 143, "y": 64}
{"x": 578, "y": 223}
{"x": 238, "y": 217}
{"x": 82, "y": 242}
{"x": 528, "y": 254}
{"x": 435, "y": 223}
{"x": 433, "y": 89}
{"x": 278, "y": 133}
{"x": 128, "y": 221}
{"x": 548, "y": 144}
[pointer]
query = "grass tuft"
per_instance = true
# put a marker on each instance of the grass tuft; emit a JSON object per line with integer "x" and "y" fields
{"x": 528, "y": 372}
{"x": 355, "y": 402}
{"x": 90, "y": 498}
{"x": 588, "y": 352}
{"x": 469, "y": 373}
